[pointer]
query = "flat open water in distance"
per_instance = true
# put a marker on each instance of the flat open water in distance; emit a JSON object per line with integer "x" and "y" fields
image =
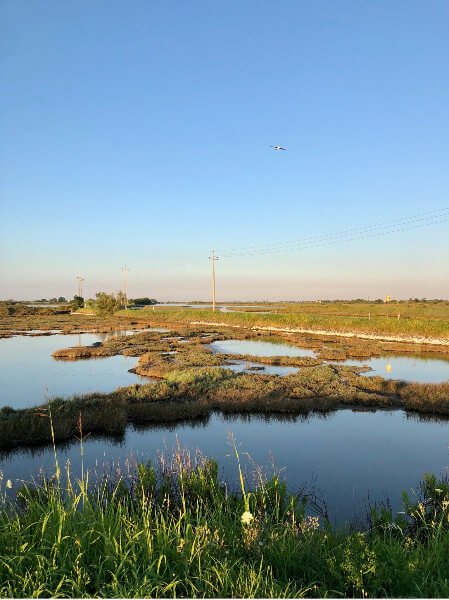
{"x": 218, "y": 307}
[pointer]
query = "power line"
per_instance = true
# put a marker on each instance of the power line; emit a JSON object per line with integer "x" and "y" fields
{"x": 383, "y": 228}
{"x": 337, "y": 238}
{"x": 418, "y": 216}
{"x": 348, "y": 232}
{"x": 340, "y": 241}
{"x": 213, "y": 258}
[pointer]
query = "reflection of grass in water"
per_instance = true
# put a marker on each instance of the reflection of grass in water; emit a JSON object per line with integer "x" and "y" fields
{"x": 273, "y": 340}
{"x": 173, "y": 529}
{"x": 424, "y": 357}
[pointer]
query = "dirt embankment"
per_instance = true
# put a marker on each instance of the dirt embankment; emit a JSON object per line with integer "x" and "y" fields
{"x": 342, "y": 334}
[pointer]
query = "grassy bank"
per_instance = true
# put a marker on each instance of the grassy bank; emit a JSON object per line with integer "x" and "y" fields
{"x": 177, "y": 531}
{"x": 410, "y": 327}
{"x": 425, "y": 319}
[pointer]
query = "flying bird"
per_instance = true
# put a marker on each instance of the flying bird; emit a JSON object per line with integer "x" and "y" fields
{"x": 277, "y": 148}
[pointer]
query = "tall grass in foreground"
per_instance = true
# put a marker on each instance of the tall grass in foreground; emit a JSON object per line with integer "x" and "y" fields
{"x": 178, "y": 531}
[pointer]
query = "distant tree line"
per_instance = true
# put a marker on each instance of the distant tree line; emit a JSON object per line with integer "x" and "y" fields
{"x": 107, "y": 304}
{"x": 54, "y": 300}
{"x": 142, "y": 301}
{"x": 381, "y": 300}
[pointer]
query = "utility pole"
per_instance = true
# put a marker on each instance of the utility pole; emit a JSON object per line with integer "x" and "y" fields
{"x": 126, "y": 297}
{"x": 213, "y": 258}
{"x": 80, "y": 286}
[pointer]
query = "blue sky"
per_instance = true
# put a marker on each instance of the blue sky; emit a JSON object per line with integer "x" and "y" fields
{"x": 139, "y": 133}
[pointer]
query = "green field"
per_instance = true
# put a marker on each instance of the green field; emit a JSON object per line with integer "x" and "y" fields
{"x": 416, "y": 319}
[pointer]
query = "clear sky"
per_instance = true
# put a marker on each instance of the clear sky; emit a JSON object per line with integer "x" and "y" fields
{"x": 139, "y": 132}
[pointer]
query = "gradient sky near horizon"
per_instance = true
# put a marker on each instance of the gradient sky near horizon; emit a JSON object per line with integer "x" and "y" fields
{"x": 139, "y": 133}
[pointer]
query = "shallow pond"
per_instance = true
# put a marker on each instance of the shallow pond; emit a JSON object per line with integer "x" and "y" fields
{"x": 258, "y": 348}
{"x": 27, "y": 367}
{"x": 424, "y": 368}
{"x": 349, "y": 456}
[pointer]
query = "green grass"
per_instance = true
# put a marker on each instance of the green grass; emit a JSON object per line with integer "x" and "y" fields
{"x": 428, "y": 319}
{"x": 307, "y": 318}
{"x": 407, "y": 310}
{"x": 177, "y": 531}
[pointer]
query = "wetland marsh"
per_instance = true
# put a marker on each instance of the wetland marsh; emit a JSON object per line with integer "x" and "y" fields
{"x": 278, "y": 393}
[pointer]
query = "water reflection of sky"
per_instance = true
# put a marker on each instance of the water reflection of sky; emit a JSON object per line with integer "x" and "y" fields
{"x": 27, "y": 367}
{"x": 425, "y": 368}
{"x": 347, "y": 455}
{"x": 409, "y": 368}
{"x": 258, "y": 348}
{"x": 220, "y": 307}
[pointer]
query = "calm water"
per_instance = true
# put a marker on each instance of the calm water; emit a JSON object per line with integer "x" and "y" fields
{"x": 218, "y": 307}
{"x": 348, "y": 456}
{"x": 424, "y": 368}
{"x": 27, "y": 366}
{"x": 256, "y": 348}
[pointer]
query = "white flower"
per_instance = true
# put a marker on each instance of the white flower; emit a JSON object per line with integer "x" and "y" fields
{"x": 9, "y": 483}
{"x": 247, "y": 517}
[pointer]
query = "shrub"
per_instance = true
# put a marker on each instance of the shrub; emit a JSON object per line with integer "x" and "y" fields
{"x": 106, "y": 304}
{"x": 4, "y": 309}
{"x": 77, "y": 302}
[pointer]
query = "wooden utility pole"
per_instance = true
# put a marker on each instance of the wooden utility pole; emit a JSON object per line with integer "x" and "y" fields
{"x": 126, "y": 297}
{"x": 213, "y": 258}
{"x": 80, "y": 286}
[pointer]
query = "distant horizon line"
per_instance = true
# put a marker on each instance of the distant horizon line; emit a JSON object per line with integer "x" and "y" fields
{"x": 285, "y": 301}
